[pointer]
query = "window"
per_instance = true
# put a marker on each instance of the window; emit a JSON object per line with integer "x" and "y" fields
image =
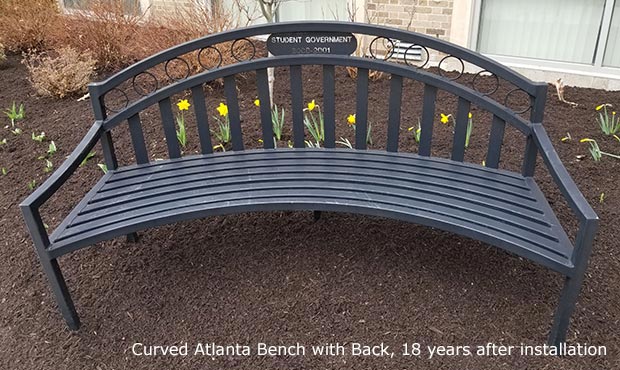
{"x": 293, "y": 10}
{"x": 560, "y": 30}
{"x": 131, "y": 6}
{"x": 612, "y": 53}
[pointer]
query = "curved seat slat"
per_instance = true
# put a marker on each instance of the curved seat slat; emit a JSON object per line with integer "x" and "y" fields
{"x": 446, "y": 187}
{"x": 424, "y": 173}
{"x": 223, "y": 170}
{"x": 323, "y": 201}
{"x": 133, "y": 208}
{"x": 482, "y": 174}
{"x": 510, "y": 214}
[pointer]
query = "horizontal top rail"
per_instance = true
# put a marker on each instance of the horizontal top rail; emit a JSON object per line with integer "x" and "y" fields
{"x": 481, "y": 61}
{"x": 419, "y": 75}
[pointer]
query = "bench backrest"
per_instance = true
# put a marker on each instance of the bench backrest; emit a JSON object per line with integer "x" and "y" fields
{"x": 194, "y": 74}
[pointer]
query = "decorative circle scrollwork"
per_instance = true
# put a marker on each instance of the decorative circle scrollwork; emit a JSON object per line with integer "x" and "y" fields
{"x": 479, "y": 74}
{"x": 441, "y": 73}
{"x": 411, "y": 48}
{"x": 138, "y": 86}
{"x": 235, "y": 55}
{"x": 184, "y": 62}
{"x": 388, "y": 44}
{"x": 510, "y": 93}
{"x": 112, "y": 107}
{"x": 219, "y": 55}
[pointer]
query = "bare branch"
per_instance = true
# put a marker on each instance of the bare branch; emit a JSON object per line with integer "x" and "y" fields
{"x": 411, "y": 13}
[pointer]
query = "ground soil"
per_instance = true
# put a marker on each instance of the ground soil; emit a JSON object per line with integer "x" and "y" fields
{"x": 280, "y": 277}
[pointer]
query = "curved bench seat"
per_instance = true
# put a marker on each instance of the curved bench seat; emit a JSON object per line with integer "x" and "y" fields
{"x": 498, "y": 207}
{"x": 502, "y": 208}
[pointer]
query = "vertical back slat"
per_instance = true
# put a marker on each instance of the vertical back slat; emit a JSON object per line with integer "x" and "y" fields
{"x": 329, "y": 105}
{"x": 107, "y": 144}
{"x": 536, "y": 115}
{"x": 460, "y": 130}
{"x": 396, "y": 93}
{"x": 297, "y": 101}
{"x": 109, "y": 154}
{"x": 361, "y": 111}
{"x": 230, "y": 90}
{"x": 200, "y": 109}
{"x": 137, "y": 139}
{"x": 262, "y": 83}
{"x": 495, "y": 142}
{"x": 167, "y": 120}
{"x": 428, "y": 117}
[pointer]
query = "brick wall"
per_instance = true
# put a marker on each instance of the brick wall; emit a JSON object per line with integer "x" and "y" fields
{"x": 166, "y": 6}
{"x": 432, "y": 17}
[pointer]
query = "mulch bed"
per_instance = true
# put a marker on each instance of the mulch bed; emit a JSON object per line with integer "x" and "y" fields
{"x": 280, "y": 277}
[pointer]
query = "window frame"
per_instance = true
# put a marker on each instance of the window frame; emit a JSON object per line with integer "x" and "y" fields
{"x": 145, "y": 7}
{"x": 595, "y": 69}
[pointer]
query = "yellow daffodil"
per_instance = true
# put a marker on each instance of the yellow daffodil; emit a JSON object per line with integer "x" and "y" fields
{"x": 260, "y": 141}
{"x": 614, "y": 113}
{"x": 585, "y": 140}
{"x": 222, "y": 109}
{"x": 469, "y": 115}
{"x": 600, "y": 106}
{"x": 257, "y": 102}
{"x": 410, "y": 128}
{"x": 445, "y": 119}
{"x": 183, "y": 104}
{"x": 351, "y": 119}
{"x": 311, "y": 105}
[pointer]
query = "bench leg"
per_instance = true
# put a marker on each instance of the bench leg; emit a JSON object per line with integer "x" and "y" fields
{"x": 133, "y": 238}
{"x": 61, "y": 293}
{"x": 565, "y": 309}
{"x": 317, "y": 215}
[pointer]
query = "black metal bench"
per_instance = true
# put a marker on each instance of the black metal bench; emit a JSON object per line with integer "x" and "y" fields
{"x": 502, "y": 208}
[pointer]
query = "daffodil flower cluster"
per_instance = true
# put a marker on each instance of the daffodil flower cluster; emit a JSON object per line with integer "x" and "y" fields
{"x": 609, "y": 124}
{"x": 418, "y": 131}
{"x": 315, "y": 125}
{"x": 445, "y": 119}
{"x": 351, "y": 122}
{"x": 183, "y": 105}
{"x": 596, "y": 151}
{"x": 222, "y": 133}
{"x": 277, "y": 120}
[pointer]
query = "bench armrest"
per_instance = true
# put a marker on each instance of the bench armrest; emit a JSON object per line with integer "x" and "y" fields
{"x": 588, "y": 220}
{"x": 562, "y": 178}
{"x": 30, "y": 205}
{"x": 55, "y": 181}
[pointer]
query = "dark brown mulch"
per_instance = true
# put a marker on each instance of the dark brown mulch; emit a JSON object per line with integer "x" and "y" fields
{"x": 281, "y": 278}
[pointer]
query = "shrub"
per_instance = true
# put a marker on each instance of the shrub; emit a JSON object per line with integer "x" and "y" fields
{"x": 64, "y": 74}
{"x": 28, "y": 24}
{"x": 107, "y": 28}
{"x": 189, "y": 22}
{"x": 118, "y": 34}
